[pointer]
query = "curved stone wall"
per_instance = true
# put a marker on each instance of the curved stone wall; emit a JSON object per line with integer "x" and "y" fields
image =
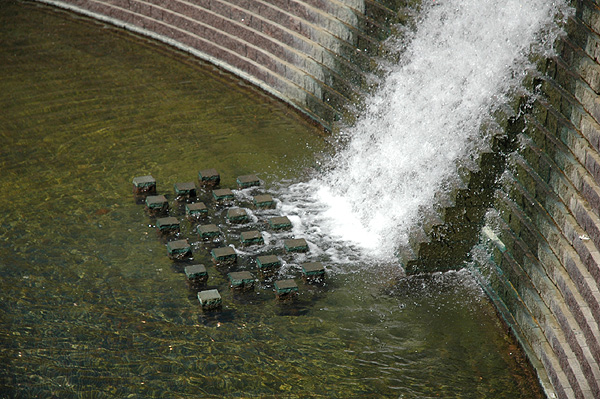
{"x": 311, "y": 54}
{"x": 544, "y": 238}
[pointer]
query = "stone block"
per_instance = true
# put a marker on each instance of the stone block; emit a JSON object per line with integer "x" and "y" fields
{"x": 224, "y": 256}
{"x": 223, "y": 195}
{"x": 209, "y": 178}
{"x": 237, "y": 215}
{"x": 241, "y": 281}
{"x": 268, "y": 265}
{"x": 196, "y": 211}
{"x": 157, "y": 205}
{"x": 210, "y": 299}
{"x": 253, "y": 237}
{"x": 208, "y": 231}
{"x": 313, "y": 272}
{"x": 280, "y": 223}
{"x": 179, "y": 250}
{"x": 295, "y": 245}
{"x": 144, "y": 185}
{"x": 247, "y": 181}
{"x": 168, "y": 225}
{"x": 286, "y": 289}
{"x": 185, "y": 191}
{"x": 196, "y": 275}
{"x": 264, "y": 201}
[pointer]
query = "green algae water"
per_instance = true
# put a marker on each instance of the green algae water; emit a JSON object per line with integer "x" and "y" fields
{"x": 90, "y": 305}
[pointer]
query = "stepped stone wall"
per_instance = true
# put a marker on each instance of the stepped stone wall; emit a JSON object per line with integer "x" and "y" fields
{"x": 312, "y": 54}
{"x": 544, "y": 238}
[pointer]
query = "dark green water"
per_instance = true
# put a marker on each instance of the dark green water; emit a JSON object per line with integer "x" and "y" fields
{"x": 90, "y": 305}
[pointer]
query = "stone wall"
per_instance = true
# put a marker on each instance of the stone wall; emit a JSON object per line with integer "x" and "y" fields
{"x": 544, "y": 237}
{"x": 312, "y": 54}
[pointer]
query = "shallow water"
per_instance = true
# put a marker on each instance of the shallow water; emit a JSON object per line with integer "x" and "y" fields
{"x": 90, "y": 305}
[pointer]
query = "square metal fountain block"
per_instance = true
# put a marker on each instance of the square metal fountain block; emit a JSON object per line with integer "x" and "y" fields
{"x": 223, "y": 194}
{"x": 285, "y": 289}
{"x": 280, "y": 223}
{"x": 168, "y": 225}
{"x": 247, "y": 181}
{"x": 208, "y": 231}
{"x": 210, "y": 299}
{"x": 313, "y": 271}
{"x": 196, "y": 211}
{"x": 196, "y": 275}
{"x": 187, "y": 189}
{"x": 241, "y": 280}
{"x": 144, "y": 185}
{"x": 237, "y": 215}
{"x": 179, "y": 249}
{"x": 264, "y": 201}
{"x": 209, "y": 177}
{"x": 295, "y": 245}
{"x": 224, "y": 255}
{"x": 252, "y": 238}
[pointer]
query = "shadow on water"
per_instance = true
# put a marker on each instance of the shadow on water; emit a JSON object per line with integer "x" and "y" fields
{"x": 91, "y": 306}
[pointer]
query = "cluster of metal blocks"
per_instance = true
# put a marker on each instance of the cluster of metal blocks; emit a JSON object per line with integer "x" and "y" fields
{"x": 197, "y": 206}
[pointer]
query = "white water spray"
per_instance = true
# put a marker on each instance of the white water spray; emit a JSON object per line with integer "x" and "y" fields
{"x": 464, "y": 60}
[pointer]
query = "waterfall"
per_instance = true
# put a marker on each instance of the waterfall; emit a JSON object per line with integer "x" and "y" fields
{"x": 464, "y": 60}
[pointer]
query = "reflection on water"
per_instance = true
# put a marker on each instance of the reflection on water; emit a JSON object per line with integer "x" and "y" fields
{"x": 90, "y": 305}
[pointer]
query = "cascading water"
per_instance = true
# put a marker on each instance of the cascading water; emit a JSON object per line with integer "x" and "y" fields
{"x": 466, "y": 59}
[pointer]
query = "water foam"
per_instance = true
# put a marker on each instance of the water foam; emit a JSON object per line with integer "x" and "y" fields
{"x": 465, "y": 59}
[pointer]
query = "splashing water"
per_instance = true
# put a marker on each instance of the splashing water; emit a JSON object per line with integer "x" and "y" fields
{"x": 464, "y": 60}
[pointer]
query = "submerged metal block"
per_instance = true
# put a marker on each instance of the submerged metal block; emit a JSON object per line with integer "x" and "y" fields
{"x": 224, "y": 256}
{"x": 237, "y": 215}
{"x": 209, "y": 178}
{"x": 268, "y": 265}
{"x": 157, "y": 205}
{"x": 280, "y": 223}
{"x": 185, "y": 191}
{"x": 196, "y": 275}
{"x": 144, "y": 185}
{"x": 241, "y": 281}
{"x": 168, "y": 225}
{"x": 264, "y": 201}
{"x": 313, "y": 272}
{"x": 285, "y": 289}
{"x": 179, "y": 250}
{"x": 208, "y": 231}
{"x": 196, "y": 211}
{"x": 253, "y": 237}
{"x": 295, "y": 245}
{"x": 210, "y": 299}
{"x": 223, "y": 195}
{"x": 247, "y": 181}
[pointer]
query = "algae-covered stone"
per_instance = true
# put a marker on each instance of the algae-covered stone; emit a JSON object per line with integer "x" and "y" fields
{"x": 196, "y": 275}
{"x": 295, "y": 245}
{"x": 185, "y": 191}
{"x": 264, "y": 201}
{"x": 237, "y": 215}
{"x": 268, "y": 264}
{"x": 157, "y": 205}
{"x": 241, "y": 281}
{"x": 247, "y": 181}
{"x": 208, "y": 231}
{"x": 210, "y": 299}
{"x": 223, "y": 194}
{"x": 313, "y": 271}
{"x": 285, "y": 289}
{"x": 168, "y": 225}
{"x": 209, "y": 178}
{"x": 144, "y": 185}
{"x": 179, "y": 249}
{"x": 280, "y": 223}
{"x": 224, "y": 255}
{"x": 196, "y": 211}
{"x": 253, "y": 237}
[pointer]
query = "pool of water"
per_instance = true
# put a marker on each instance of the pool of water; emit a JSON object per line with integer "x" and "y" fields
{"x": 91, "y": 306}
